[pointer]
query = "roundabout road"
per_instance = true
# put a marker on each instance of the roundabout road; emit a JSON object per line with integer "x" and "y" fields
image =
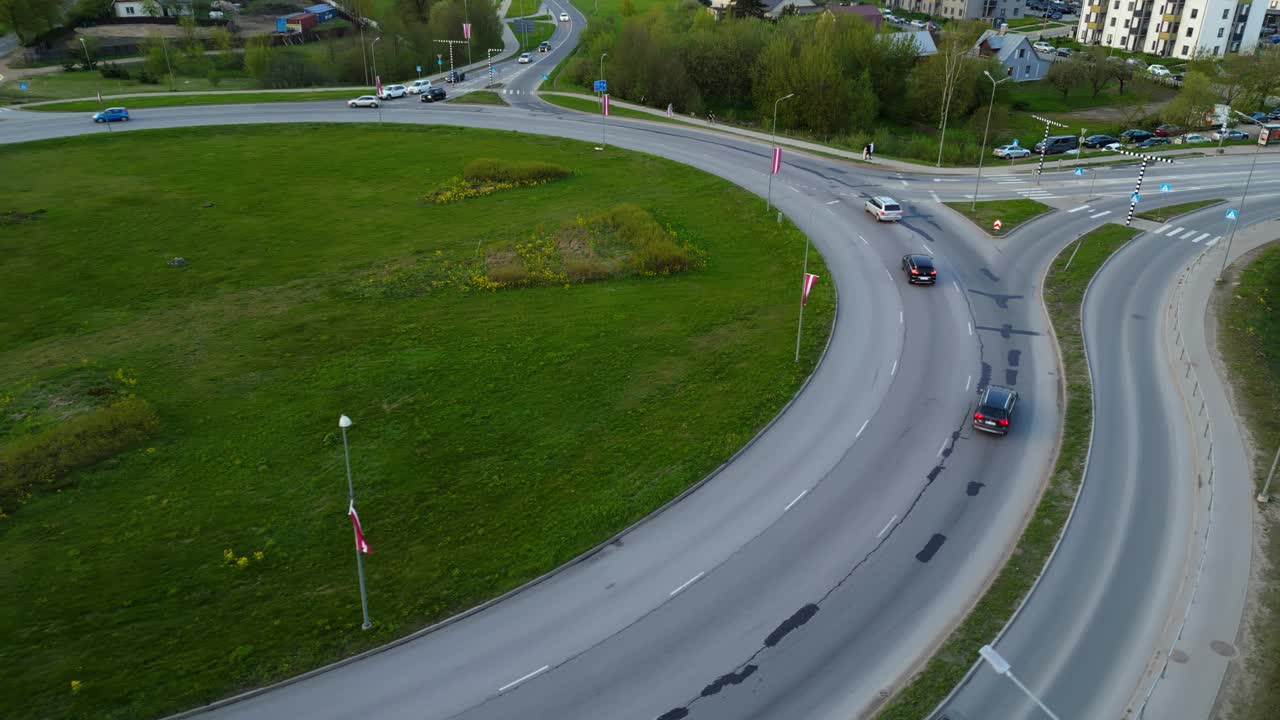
{"x": 815, "y": 570}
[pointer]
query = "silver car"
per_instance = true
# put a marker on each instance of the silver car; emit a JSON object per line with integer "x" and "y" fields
{"x": 1011, "y": 152}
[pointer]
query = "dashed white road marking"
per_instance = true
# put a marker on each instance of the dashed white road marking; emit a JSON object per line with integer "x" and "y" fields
{"x": 899, "y": 317}
{"x": 1076, "y": 210}
{"x": 864, "y": 427}
{"x": 514, "y": 683}
{"x": 1187, "y": 235}
{"x": 905, "y": 184}
{"x": 793, "y": 502}
{"x": 894, "y": 370}
{"x": 886, "y": 272}
{"x": 694, "y": 579}
{"x": 833, "y": 202}
{"x": 935, "y": 197}
{"x": 967, "y": 382}
{"x": 971, "y": 328}
{"x": 955, "y": 285}
{"x": 1098, "y": 215}
{"x": 864, "y": 241}
{"x": 1160, "y": 230}
{"x": 886, "y": 527}
{"x": 794, "y": 189}
{"x": 927, "y": 251}
{"x": 1203, "y": 236}
{"x": 943, "y": 448}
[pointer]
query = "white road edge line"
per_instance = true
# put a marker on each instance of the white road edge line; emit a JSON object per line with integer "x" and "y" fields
{"x": 1075, "y": 210}
{"x": 793, "y": 502}
{"x": 865, "y": 423}
{"x": 970, "y": 328}
{"x": 968, "y": 381}
{"x": 1104, "y": 212}
{"x": 886, "y": 272}
{"x": 864, "y": 241}
{"x": 935, "y": 197}
{"x": 695, "y": 578}
{"x": 514, "y": 683}
{"x": 927, "y": 251}
{"x": 894, "y": 370}
{"x": 899, "y": 313}
{"x": 944, "y": 447}
{"x": 833, "y": 202}
{"x": 885, "y": 529}
{"x": 956, "y": 285}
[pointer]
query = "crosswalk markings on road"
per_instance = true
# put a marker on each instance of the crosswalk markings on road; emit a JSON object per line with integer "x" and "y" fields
{"x": 1104, "y": 212}
{"x": 1202, "y": 236}
{"x": 1160, "y": 230}
{"x": 1175, "y": 231}
{"x": 1188, "y": 234}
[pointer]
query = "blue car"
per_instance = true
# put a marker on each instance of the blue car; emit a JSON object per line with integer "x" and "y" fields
{"x": 111, "y": 115}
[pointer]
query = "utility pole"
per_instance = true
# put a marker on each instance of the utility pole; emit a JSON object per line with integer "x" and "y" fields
{"x": 491, "y": 52}
{"x": 344, "y": 422}
{"x": 451, "y": 43}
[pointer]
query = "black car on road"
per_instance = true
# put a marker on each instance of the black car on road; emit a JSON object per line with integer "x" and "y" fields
{"x": 455, "y": 76}
{"x": 1097, "y": 141}
{"x": 433, "y": 94}
{"x": 919, "y": 269}
{"x": 995, "y": 409}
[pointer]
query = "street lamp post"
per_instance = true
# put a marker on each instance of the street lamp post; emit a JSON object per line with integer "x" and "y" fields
{"x": 982, "y": 154}
{"x": 774, "y": 144}
{"x": 603, "y": 116}
{"x": 87, "y": 61}
{"x": 1226, "y": 254}
{"x": 373, "y": 53}
{"x": 173, "y": 82}
{"x": 1001, "y": 666}
{"x": 344, "y": 422}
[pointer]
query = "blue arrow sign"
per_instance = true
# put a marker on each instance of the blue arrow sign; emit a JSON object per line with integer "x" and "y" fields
{"x": 599, "y": 86}
{"x": 1166, "y": 187}
{"x": 545, "y": 76}
{"x": 1079, "y": 171}
{"x": 1232, "y": 215}
{"x": 1135, "y": 197}
{"x": 419, "y": 68}
{"x": 22, "y": 86}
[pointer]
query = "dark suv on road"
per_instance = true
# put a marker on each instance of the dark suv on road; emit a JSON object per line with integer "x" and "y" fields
{"x": 919, "y": 269}
{"x": 995, "y": 409}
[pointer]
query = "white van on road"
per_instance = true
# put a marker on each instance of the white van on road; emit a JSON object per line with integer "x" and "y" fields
{"x": 417, "y": 87}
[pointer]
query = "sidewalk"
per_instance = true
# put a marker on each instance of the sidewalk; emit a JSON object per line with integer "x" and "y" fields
{"x": 1186, "y": 675}
{"x": 895, "y": 165}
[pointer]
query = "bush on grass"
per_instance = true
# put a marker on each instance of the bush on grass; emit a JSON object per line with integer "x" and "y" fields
{"x": 482, "y": 170}
{"x": 113, "y": 71}
{"x": 44, "y": 461}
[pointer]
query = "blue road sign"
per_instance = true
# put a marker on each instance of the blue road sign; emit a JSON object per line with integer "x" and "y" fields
{"x": 1079, "y": 171}
{"x": 599, "y": 86}
{"x": 22, "y": 86}
{"x": 440, "y": 61}
{"x": 1015, "y": 142}
{"x": 1232, "y": 214}
{"x": 419, "y": 68}
{"x": 1135, "y": 197}
{"x": 1166, "y": 187}
{"x": 546, "y": 76}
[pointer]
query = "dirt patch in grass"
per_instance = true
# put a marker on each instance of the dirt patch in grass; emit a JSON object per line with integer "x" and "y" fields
{"x": 1063, "y": 294}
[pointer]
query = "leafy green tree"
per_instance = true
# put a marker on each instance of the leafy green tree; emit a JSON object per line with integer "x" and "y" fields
{"x": 30, "y": 19}
{"x": 1096, "y": 71}
{"x": 1120, "y": 71}
{"x": 772, "y": 79}
{"x": 1195, "y": 100}
{"x": 1263, "y": 79}
{"x": 866, "y": 104}
{"x": 1065, "y": 76}
{"x": 86, "y": 12}
{"x": 748, "y": 8}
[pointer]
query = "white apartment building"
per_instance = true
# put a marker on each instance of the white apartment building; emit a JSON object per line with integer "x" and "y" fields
{"x": 1173, "y": 28}
{"x": 965, "y": 9}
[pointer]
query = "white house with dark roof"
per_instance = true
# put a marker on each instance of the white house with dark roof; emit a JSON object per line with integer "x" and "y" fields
{"x": 1014, "y": 51}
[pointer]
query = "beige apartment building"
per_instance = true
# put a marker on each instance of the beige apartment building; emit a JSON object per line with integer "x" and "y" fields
{"x": 965, "y": 9}
{"x": 1172, "y": 28}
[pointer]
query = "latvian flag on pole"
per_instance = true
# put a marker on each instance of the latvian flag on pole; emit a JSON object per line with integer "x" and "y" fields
{"x": 378, "y": 81}
{"x": 777, "y": 160}
{"x": 605, "y": 106}
{"x": 361, "y": 544}
{"x": 466, "y": 31}
{"x": 809, "y": 280}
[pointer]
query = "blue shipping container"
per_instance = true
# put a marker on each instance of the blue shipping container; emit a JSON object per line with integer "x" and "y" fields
{"x": 323, "y": 13}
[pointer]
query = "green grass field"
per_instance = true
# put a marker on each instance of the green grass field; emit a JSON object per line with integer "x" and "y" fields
{"x": 1040, "y": 96}
{"x": 1168, "y": 212}
{"x": 65, "y": 85}
{"x": 1011, "y": 213}
{"x": 479, "y": 97}
{"x": 172, "y": 100}
{"x": 1249, "y": 339}
{"x": 529, "y": 41}
{"x": 497, "y": 434}
{"x": 1063, "y": 293}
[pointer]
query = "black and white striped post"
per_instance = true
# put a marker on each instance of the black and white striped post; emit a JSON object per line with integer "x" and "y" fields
{"x": 1044, "y": 144}
{"x": 1142, "y": 170}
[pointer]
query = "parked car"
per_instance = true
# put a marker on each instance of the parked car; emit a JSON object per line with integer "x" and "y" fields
{"x": 363, "y": 101}
{"x": 1256, "y": 118}
{"x": 417, "y": 86}
{"x": 111, "y": 115}
{"x": 995, "y": 409}
{"x": 1135, "y": 136}
{"x": 544, "y": 46}
{"x": 1097, "y": 141}
{"x": 1043, "y": 47}
{"x": 1135, "y": 62}
{"x": 433, "y": 94}
{"x": 455, "y": 76}
{"x": 1274, "y": 114}
{"x": 1011, "y": 152}
{"x": 1054, "y": 15}
{"x": 1168, "y": 130}
{"x": 391, "y": 92}
{"x": 884, "y": 208}
{"x": 919, "y": 269}
{"x": 1192, "y": 138}
{"x": 1064, "y": 52}
{"x": 1176, "y": 77}
{"x": 1112, "y": 146}
{"x": 1153, "y": 141}
{"x": 525, "y": 59}
{"x": 1231, "y": 134}
{"x": 1158, "y": 70}
{"x": 917, "y": 23}
{"x": 564, "y": 17}
{"x": 1058, "y": 144}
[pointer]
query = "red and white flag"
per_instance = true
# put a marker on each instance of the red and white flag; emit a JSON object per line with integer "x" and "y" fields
{"x": 809, "y": 280}
{"x": 466, "y": 31}
{"x": 378, "y": 82}
{"x": 777, "y": 160}
{"x": 605, "y": 105}
{"x": 361, "y": 544}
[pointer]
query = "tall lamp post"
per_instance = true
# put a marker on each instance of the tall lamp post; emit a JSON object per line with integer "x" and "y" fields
{"x": 774, "y": 143}
{"x": 1243, "y": 196}
{"x": 983, "y": 153}
{"x": 1001, "y": 666}
{"x": 373, "y": 53}
{"x": 344, "y": 422}
{"x": 603, "y": 114}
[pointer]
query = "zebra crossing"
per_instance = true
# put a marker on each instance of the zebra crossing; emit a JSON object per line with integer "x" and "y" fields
{"x": 1179, "y": 232}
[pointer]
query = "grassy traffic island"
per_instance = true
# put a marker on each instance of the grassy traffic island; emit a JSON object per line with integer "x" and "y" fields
{"x": 536, "y": 352}
{"x": 1010, "y": 213}
{"x": 1063, "y": 294}
{"x": 1168, "y": 212}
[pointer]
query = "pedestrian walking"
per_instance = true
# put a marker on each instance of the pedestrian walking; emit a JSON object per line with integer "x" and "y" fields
{"x": 866, "y": 151}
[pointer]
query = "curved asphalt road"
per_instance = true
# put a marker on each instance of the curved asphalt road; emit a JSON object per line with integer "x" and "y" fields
{"x": 814, "y": 571}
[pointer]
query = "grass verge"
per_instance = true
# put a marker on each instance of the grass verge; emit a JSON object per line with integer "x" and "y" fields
{"x": 1063, "y": 293}
{"x": 1249, "y": 340}
{"x": 529, "y": 41}
{"x": 479, "y": 97}
{"x": 497, "y": 433}
{"x": 592, "y": 105}
{"x": 212, "y": 99}
{"x": 1167, "y": 213}
{"x": 67, "y": 85}
{"x": 1010, "y": 213}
